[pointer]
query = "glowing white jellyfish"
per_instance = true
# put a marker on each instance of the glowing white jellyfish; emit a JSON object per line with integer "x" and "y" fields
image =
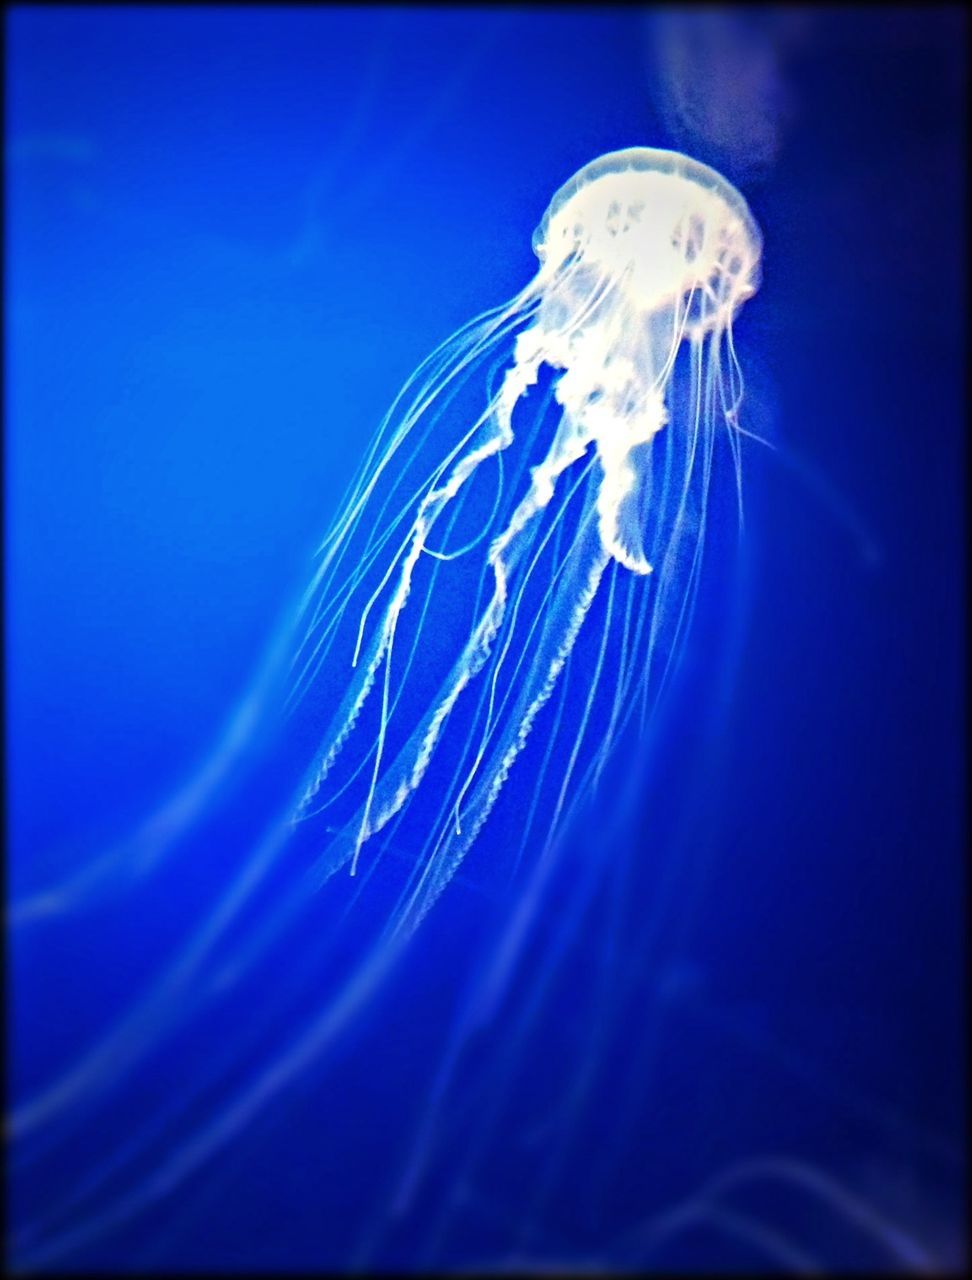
{"x": 645, "y": 256}
{"x": 523, "y": 541}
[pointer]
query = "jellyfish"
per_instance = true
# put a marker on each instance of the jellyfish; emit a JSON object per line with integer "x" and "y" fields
{"x": 645, "y": 256}
{"x": 497, "y": 605}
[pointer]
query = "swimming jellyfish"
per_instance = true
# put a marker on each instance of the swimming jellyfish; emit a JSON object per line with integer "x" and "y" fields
{"x": 590, "y": 445}
{"x": 547, "y": 466}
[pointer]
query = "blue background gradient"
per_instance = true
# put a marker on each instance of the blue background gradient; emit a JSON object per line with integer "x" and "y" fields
{"x": 231, "y": 235}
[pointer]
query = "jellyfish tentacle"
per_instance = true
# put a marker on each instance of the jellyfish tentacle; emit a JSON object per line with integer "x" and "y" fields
{"x": 334, "y": 794}
{"x": 498, "y": 414}
{"x": 497, "y": 714}
{"x": 439, "y": 368}
{"x": 594, "y": 683}
{"x": 588, "y": 562}
{"x": 332, "y": 603}
{"x": 570, "y": 444}
{"x": 615, "y": 440}
{"x": 507, "y": 550}
{"x": 457, "y": 357}
{"x": 402, "y": 777}
{"x": 529, "y": 431}
{"x": 498, "y": 421}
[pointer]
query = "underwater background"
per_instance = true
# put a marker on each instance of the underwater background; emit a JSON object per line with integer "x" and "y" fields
{"x": 231, "y": 234}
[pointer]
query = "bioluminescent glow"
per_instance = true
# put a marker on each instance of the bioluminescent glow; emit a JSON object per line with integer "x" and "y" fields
{"x": 455, "y": 718}
{"x": 494, "y": 515}
{"x": 645, "y": 257}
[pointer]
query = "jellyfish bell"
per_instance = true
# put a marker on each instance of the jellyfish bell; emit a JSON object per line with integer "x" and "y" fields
{"x": 667, "y": 228}
{"x": 645, "y": 255}
{"x": 674, "y": 250}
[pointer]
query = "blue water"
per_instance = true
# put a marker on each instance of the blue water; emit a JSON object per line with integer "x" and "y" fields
{"x": 231, "y": 236}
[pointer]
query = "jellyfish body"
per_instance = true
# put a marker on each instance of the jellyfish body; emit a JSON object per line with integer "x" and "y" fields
{"x": 521, "y": 549}
{"x": 645, "y": 256}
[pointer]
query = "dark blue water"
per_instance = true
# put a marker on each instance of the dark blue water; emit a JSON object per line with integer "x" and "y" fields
{"x": 231, "y": 236}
